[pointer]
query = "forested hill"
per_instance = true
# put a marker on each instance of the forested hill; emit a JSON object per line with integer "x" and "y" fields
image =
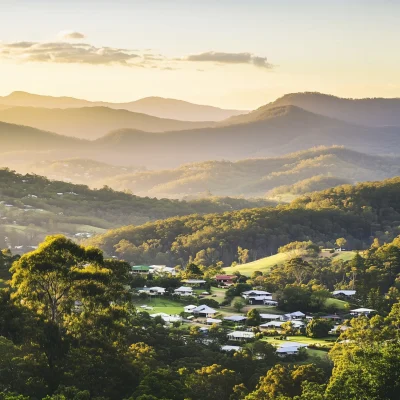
{"x": 368, "y": 111}
{"x": 331, "y": 166}
{"x": 32, "y": 206}
{"x": 354, "y": 212}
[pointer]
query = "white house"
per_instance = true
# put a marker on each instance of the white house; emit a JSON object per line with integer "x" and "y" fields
{"x": 166, "y": 317}
{"x": 235, "y": 318}
{"x": 361, "y": 311}
{"x": 204, "y": 311}
{"x": 278, "y": 324}
{"x": 257, "y": 296}
{"x": 346, "y": 293}
{"x": 289, "y": 348}
{"x": 240, "y": 336}
{"x": 293, "y": 315}
{"x": 161, "y": 269}
{"x": 211, "y": 321}
{"x": 153, "y": 291}
{"x": 231, "y": 348}
{"x": 184, "y": 291}
{"x": 189, "y": 308}
{"x": 270, "y": 317}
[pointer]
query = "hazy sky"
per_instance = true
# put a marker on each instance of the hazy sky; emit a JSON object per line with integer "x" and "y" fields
{"x": 229, "y": 53}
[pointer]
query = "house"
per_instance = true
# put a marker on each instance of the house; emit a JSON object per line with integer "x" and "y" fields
{"x": 257, "y": 296}
{"x": 204, "y": 311}
{"x": 140, "y": 269}
{"x": 167, "y": 318}
{"x": 184, "y": 291}
{"x": 287, "y": 351}
{"x": 293, "y": 316}
{"x": 240, "y": 336}
{"x": 189, "y": 308}
{"x": 211, "y": 321}
{"x": 278, "y": 324}
{"x": 235, "y": 318}
{"x": 270, "y": 317}
{"x": 337, "y": 329}
{"x": 344, "y": 293}
{"x": 162, "y": 270}
{"x": 289, "y": 348}
{"x": 230, "y": 348}
{"x": 153, "y": 291}
{"x": 225, "y": 280}
{"x": 361, "y": 311}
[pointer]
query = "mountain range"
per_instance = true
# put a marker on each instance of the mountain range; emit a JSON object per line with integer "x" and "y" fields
{"x": 277, "y": 131}
{"x": 283, "y": 177}
{"x": 155, "y": 106}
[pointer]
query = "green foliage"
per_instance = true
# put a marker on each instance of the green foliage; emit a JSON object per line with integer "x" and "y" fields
{"x": 318, "y": 328}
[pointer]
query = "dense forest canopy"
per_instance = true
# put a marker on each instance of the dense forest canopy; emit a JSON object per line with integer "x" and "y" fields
{"x": 33, "y": 206}
{"x": 106, "y": 349}
{"x": 357, "y": 213}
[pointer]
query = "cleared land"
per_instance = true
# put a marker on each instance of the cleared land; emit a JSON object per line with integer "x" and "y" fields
{"x": 266, "y": 263}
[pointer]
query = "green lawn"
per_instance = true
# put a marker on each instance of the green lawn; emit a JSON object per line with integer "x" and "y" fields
{"x": 340, "y": 304}
{"x": 263, "y": 265}
{"x": 266, "y": 263}
{"x": 299, "y": 339}
{"x": 160, "y": 305}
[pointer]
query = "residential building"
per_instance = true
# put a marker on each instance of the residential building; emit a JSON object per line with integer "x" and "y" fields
{"x": 236, "y": 318}
{"x": 140, "y": 269}
{"x": 361, "y": 311}
{"x": 240, "y": 336}
{"x": 257, "y": 296}
{"x": 204, "y": 311}
{"x": 184, "y": 291}
{"x": 189, "y": 308}
{"x": 225, "y": 280}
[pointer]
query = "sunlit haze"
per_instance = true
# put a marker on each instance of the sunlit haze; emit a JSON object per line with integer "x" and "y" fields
{"x": 232, "y": 54}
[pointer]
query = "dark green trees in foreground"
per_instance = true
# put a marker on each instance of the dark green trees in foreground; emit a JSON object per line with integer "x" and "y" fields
{"x": 69, "y": 332}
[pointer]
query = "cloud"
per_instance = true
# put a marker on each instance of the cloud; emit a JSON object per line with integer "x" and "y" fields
{"x": 71, "y": 35}
{"x": 230, "y": 58}
{"x": 67, "y": 53}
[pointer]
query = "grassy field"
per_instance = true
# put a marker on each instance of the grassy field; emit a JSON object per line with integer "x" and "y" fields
{"x": 160, "y": 305}
{"x": 300, "y": 339}
{"x": 340, "y": 304}
{"x": 263, "y": 265}
{"x": 266, "y": 263}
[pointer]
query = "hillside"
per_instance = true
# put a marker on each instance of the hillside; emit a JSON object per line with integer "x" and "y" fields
{"x": 281, "y": 131}
{"x": 32, "y": 206}
{"x": 310, "y": 170}
{"x": 368, "y": 112}
{"x": 354, "y": 212}
{"x": 265, "y": 264}
{"x": 155, "y": 106}
{"x": 91, "y": 122}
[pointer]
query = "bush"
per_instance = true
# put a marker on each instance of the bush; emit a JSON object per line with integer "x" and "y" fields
{"x": 210, "y": 302}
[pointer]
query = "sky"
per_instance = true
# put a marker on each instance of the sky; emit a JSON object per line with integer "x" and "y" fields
{"x": 227, "y": 53}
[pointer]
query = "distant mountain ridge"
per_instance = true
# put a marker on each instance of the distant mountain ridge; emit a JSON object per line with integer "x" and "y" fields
{"x": 92, "y": 122}
{"x": 277, "y": 131}
{"x": 155, "y": 106}
{"x": 368, "y": 111}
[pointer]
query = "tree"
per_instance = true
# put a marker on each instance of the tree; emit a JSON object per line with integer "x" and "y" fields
{"x": 50, "y": 279}
{"x": 239, "y": 304}
{"x": 243, "y": 255}
{"x": 341, "y": 242}
{"x": 253, "y": 317}
{"x": 214, "y": 382}
{"x": 318, "y": 328}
